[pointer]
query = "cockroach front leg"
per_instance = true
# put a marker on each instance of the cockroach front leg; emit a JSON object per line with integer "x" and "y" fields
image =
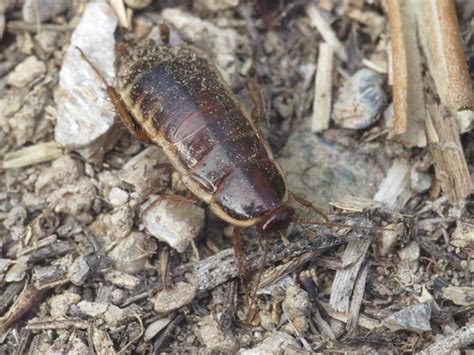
{"x": 305, "y": 203}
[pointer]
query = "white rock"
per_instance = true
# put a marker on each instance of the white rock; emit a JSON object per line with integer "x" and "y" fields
{"x": 60, "y": 303}
{"x": 122, "y": 279}
{"x": 214, "y": 338}
{"x": 129, "y": 255}
{"x": 79, "y": 271}
{"x": 179, "y": 295}
{"x": 16, "y": 273}
{"x": 27, "y": 71}
{"x": 117, "y": 196}
{"x": 415, "y": 318}
{"x": 42, "y": 10}
{"x": 155, "y": 327}
{"x": 175, "y": 221}
{"x": 85, "y": 114}
{"x": 277, "y": 343}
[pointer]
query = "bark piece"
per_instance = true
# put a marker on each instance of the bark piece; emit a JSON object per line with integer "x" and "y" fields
{"x": 449, "y": 160}
{"x": 323, "y": 89}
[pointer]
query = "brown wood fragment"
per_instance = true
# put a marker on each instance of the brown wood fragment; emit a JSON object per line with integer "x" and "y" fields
{"x": 56, "y": 324}
{"x": 27, "y": 299}
{"x": 446, "y": 149}
{"x": 444, "y": 51}
{"x": 408, "y": 100}
{"x": 356, "y": 301}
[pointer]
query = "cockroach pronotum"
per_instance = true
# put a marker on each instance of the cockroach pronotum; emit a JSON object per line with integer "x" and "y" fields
{"x": 175, "y": 97}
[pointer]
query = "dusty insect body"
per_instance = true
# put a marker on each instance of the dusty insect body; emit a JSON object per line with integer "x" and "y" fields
{"x": 173, "y": 96}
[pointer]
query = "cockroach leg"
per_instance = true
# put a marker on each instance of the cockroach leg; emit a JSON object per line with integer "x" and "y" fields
{"x": 239, "y": 254}
{"x": 258, "y": 109}
{"x": 302, "y": 201}
{"x": 165, "y": 33}
{"x": 124, "y": 114}
{"x": 253, "y": 297}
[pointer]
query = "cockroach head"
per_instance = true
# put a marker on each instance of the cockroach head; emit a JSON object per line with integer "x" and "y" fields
{"x": 276, "y": 220}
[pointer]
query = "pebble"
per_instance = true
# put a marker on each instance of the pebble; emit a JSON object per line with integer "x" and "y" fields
{"x": 4, "y": 266}
{"x": 74, "y": 199}
{"x": 181, "y": 294}
{"x": 117, "y": 196}
{"x": 128, "y": 255}
{"x": 155, "y": 327}
{"x": 296, "y": 307}
{"x": 148, "y": 172}
{"x": 174, "y": 220}
{"x": 462, "y": 296}
{"x": 115, "y": 225}
{"x": 16, "y": 273}
{"x": 63, "y": 171}
{"x": 47, "y": 40}
{"x": 85, "y": 113}
{"x": 360, "y": 100}
{"x": 410, "y": 253}
{"x": 43, "y": 10}
{"x": 79, "y": 271}
{"x": 224, "y": 44}
{"x": 214, "y": 338}
{"x": 215, "y": 5}
{"x": 122, "y": 279}
{"x": 420, "y": 181}
{"x": 415, "y": 318}
{"x": 138, "y": 4}
{"x": 277, "y": 343}
{"x": 463, "y": 235}
{"x": 324, "y": 171}
{"x": 26, "y": 72}
{"x": 59, "y": 304}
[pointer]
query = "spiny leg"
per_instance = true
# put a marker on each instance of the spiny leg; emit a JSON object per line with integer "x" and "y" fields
{"x": 302, "y": 201}
{"x": 258, "y": 108}
{"x": 124, "y": 114}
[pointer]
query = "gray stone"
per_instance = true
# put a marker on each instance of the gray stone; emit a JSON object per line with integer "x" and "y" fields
{"x": 360, "y": 100}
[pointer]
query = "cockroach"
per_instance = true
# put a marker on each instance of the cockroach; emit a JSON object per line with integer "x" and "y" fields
{"x": 174, "y": 96}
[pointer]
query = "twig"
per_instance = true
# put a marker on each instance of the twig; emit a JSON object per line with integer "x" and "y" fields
{"x": 323, "y": 89}
{"x": 458, "y": 340}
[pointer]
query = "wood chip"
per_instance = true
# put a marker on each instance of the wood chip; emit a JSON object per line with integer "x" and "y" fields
{"x": 445, "y": 145}
{"x": 408, "y": 100}
{"x": 323, "y": 89}
{"x": 31, "y": 155}
{"x": 394, "y": 191}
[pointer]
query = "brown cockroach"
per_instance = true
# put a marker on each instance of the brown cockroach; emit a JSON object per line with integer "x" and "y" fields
{"x": 175, "y": 97}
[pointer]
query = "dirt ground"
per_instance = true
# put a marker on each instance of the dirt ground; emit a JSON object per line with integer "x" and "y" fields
{"x": 96, "y": 257}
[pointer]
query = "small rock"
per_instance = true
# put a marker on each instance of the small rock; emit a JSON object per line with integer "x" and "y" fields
{"x": 113, "y": 315}
{"x": 215, "y": 5}
{"x": 47, "y": 40}
{"x": 420, "y": 181}
{"x": 86, "y": 116}
{"x": 410, "y": 253}
{"x": 462, "y": 296}
{"x": 214, "y": 338}
{"x": 115, "y": 225}
{"x": 225, "y": 41}
{"x": 117, "y": 196}
{"x": 74, "y": 199}
{"x": 390, "y": 235}
{"x": 155, "y": 327}
{"x": 122, "y": 279}
{"x": 129, "y": 255}
{"x": 148, "y": 171}
{"x": 4, "y": 266}
{"x": 59, "y": 304}
{"x": 79, "y": 271}
{"x": 64, "y": 170}
{"x": 360, "y": 100}
{"x": 15, "y": 217}
{"x": 276, "y": 343}
{"x": 180, "y": 295}
{"x": 414, "y": 318}
{"x": 175, "y": 221}
{"x": 27, "y": 71}
{"x": 42, "y": 10}
{"x": 16, "y": 273}
{"x": 324, "y": 171}
{"x": 463, "y": 235}
{"x": 296, "y": 307}
{"x": 137, "y": 4}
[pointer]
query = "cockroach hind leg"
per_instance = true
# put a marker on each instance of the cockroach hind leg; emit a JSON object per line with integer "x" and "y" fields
{"x": 258, "y": 103}
{"x": 305, "y": 203}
